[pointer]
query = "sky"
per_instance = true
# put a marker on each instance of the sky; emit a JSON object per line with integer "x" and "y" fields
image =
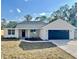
{"x": 16, "y": 9}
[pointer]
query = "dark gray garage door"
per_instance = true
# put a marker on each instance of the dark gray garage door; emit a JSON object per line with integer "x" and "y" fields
{"x": 58, "y": 34}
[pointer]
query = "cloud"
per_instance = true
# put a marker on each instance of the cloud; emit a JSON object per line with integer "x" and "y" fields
{"x": 45, "y": 14}
{"x": 26, "y": 0}
{"x": 42, "y": 14}
{"x": 18, "y": 10}
{"x": 35, "y": 14}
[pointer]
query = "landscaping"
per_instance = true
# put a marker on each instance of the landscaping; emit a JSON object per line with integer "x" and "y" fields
{"x": 26, "y": 50}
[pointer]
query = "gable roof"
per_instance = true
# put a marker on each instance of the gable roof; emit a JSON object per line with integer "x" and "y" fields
{"x": 31, "y": 24}
{"x": 60, "y": 24}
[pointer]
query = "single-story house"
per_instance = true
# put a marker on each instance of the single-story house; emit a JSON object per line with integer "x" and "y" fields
{"x": 58, "y": 29}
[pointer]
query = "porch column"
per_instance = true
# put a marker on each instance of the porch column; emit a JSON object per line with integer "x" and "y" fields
{"x": 28, "y": 33}
{"x": 17, "y": 33}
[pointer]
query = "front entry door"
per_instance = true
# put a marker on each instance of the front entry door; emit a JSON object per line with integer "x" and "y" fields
{"x": 23, "y": 33}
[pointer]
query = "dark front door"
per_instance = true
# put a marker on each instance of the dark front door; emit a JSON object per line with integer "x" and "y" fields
{"x": 23, "y": 33}
{"x": 58, "y": 34}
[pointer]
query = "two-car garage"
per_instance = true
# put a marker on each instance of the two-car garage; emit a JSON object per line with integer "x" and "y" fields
{"x": 58, "y": 34}
{"x": 57, "y": 30}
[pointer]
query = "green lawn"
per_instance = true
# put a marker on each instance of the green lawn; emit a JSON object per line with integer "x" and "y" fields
{"x": 22, "y": 50}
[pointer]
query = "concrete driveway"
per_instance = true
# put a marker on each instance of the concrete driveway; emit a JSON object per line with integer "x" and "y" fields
{"x": 67, "y": 45}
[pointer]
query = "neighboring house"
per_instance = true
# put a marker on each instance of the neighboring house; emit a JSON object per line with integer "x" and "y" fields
{"x": 58, "y": 29}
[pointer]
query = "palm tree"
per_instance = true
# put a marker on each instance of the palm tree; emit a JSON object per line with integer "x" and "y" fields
{"x": 28, "y": 17}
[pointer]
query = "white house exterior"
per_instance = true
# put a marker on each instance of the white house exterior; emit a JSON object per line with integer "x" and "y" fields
{"x": 57, "y": 25}
{"x": 58, "y": 29}
{"x": 25, "y": 29}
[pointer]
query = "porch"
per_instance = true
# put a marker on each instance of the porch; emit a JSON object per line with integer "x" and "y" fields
{"x": 28, "y": 33}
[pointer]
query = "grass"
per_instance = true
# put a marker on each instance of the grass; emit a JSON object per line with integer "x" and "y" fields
{"x": 22, "y": 50}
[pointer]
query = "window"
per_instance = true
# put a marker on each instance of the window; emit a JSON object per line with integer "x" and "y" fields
{"x": 33, "y": 30}
{"x": 11, "y": 32}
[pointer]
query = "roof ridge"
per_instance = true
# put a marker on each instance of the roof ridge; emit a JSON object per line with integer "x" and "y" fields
{"x": 31, "y": 22}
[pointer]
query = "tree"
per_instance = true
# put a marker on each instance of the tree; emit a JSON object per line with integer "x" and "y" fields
{"x": 11, "y": 24}
{"x": 41, "y": 18}
{"x": 3, "y": 23}
{"x": 73, "y": 15}
{"x": 28, "y": 17}
{"x": 66, "y": 13}
{"x": 37, "y": 18}
{"x": 62, "y": 13}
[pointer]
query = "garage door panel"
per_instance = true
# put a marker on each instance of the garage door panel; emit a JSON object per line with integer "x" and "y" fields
{"x": 58, "y": 34}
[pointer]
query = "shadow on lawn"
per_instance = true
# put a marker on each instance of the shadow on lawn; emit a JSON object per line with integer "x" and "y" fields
{"x": 36, "y": 45}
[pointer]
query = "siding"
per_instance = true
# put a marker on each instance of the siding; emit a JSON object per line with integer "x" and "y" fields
{"x": 6, "y": 33}
{"x": 57, "y": 25}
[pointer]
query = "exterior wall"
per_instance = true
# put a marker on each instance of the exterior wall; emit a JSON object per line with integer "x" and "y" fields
{"x": 44, "y": 34}
{"x": 36, "y": 34}
{"x": 2, "y": 33}
{"x": 6, "y": 33}
{"x": 71, "y": 33}
{"x": 18, "y": 33}
{"x": 57, "y": 25}
{"x": 28, "y": 33}
{"x": 75, "y": 34}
